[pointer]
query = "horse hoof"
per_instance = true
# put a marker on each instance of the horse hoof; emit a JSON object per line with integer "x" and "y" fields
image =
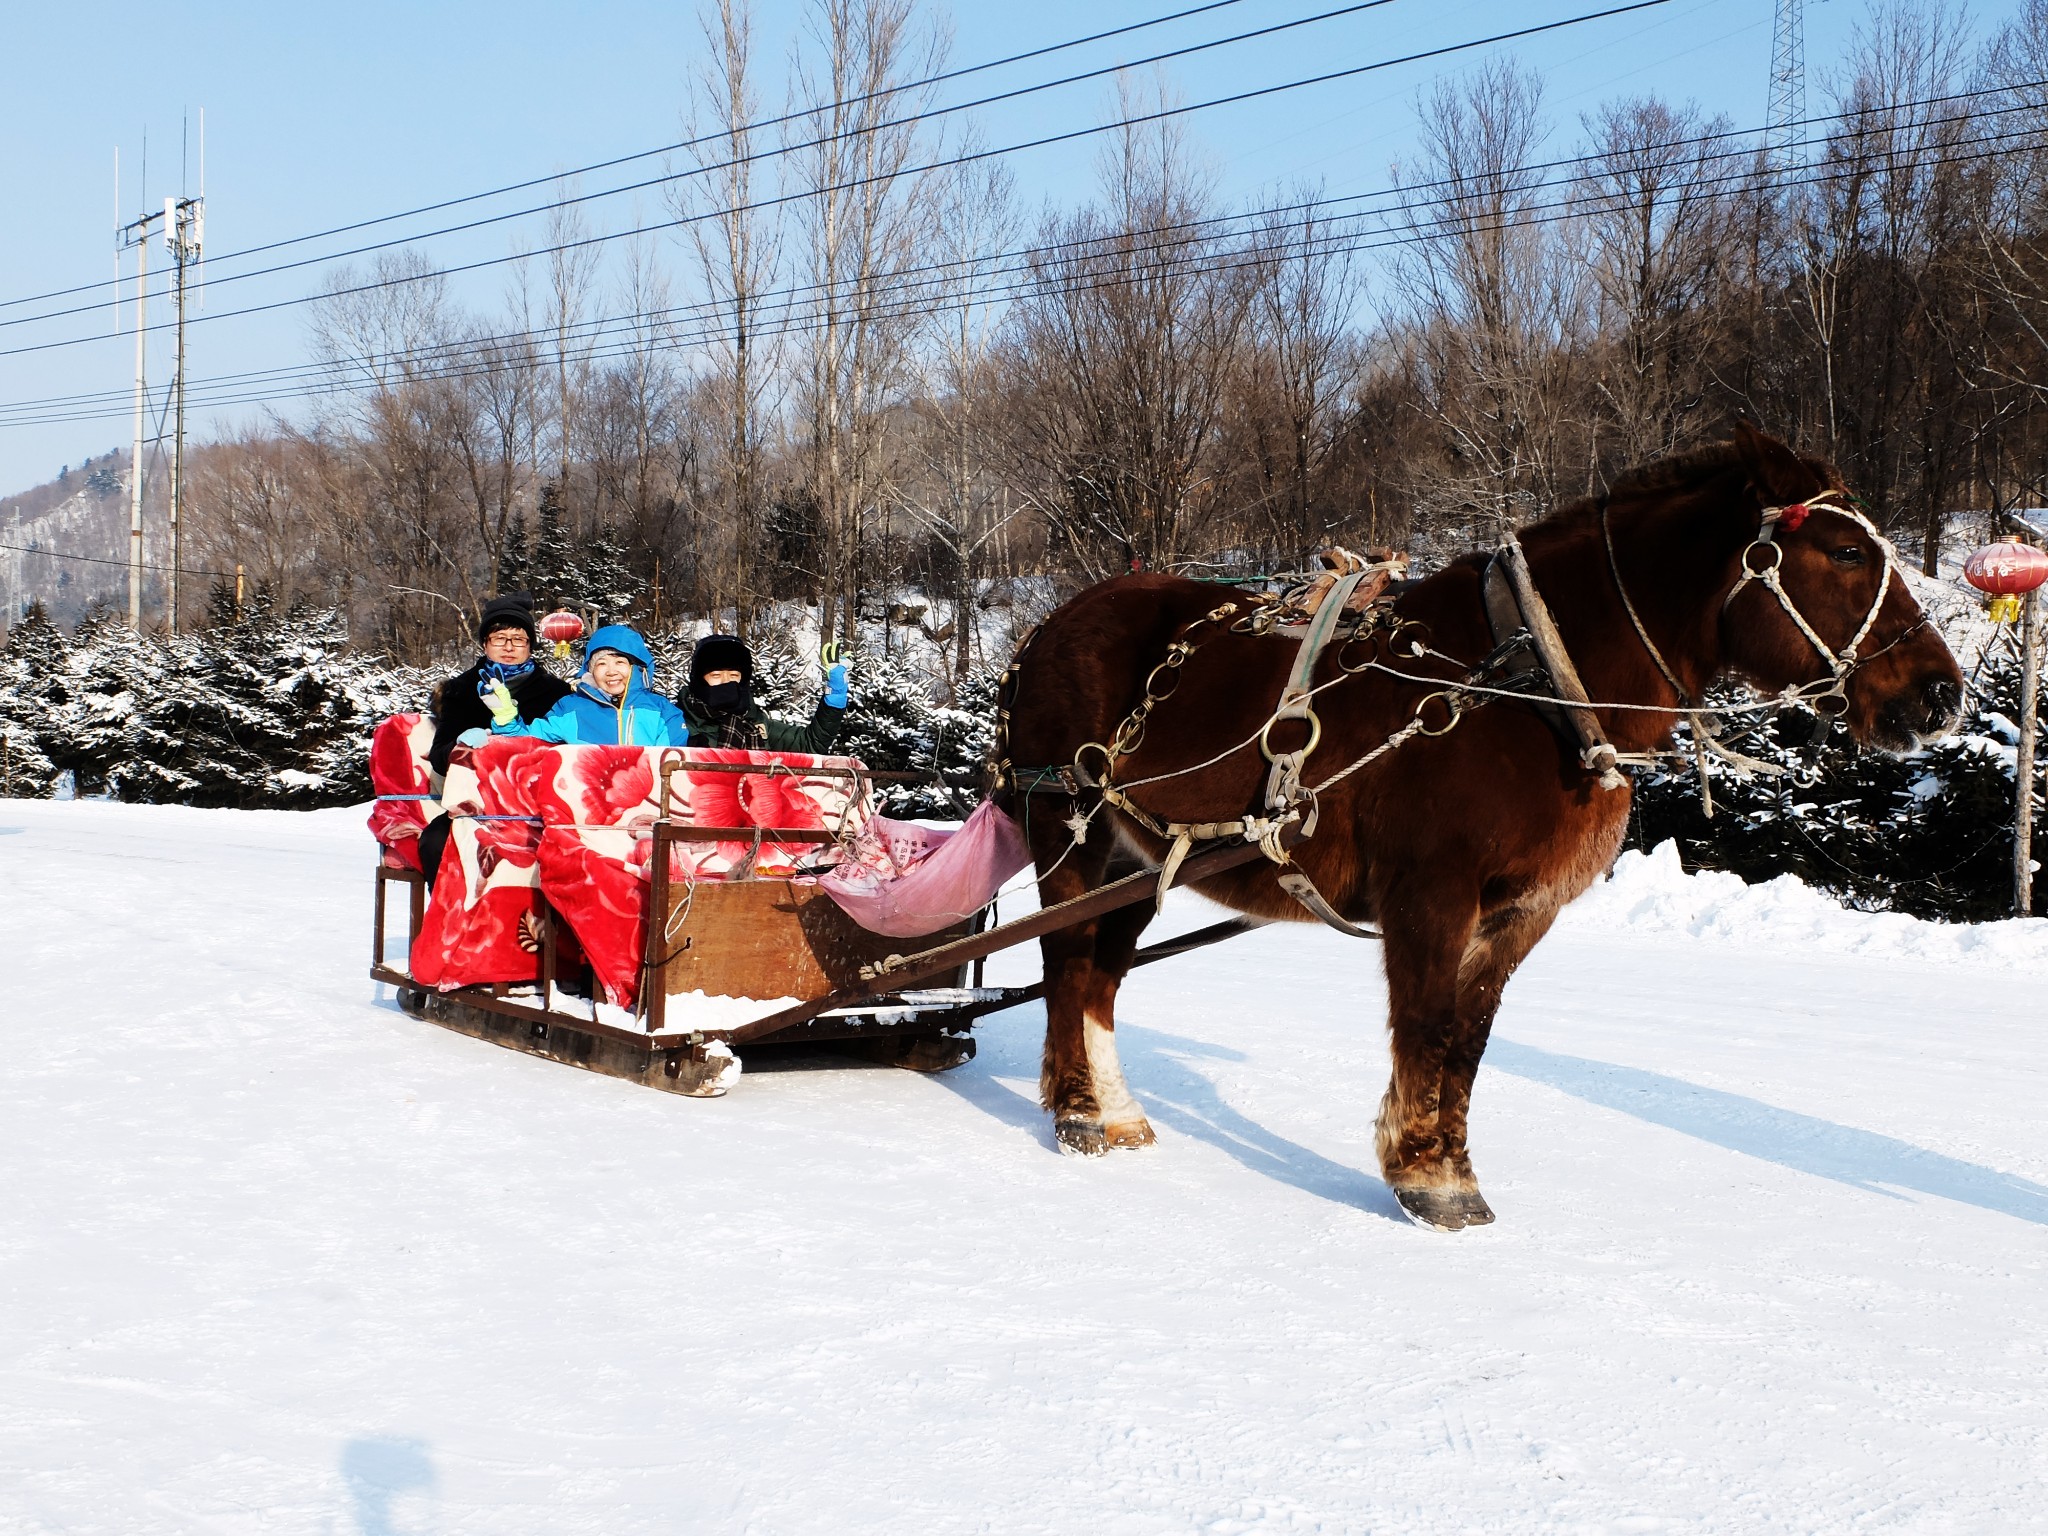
{"x": 1083, "y": 1138}
{"x": 1130, "y": 1133}
{"x": 1444, "y": 1210}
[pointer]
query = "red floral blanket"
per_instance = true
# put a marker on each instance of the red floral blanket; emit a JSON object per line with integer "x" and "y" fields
{"x": 399, "y": 770}
{"x": 576, "y": 825}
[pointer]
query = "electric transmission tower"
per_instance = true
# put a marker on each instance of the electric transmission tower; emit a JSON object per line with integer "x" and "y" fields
{"x": 1784, "y": 122}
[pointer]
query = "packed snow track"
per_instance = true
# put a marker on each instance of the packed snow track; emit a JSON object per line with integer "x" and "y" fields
{"x": 275, "y": 1258}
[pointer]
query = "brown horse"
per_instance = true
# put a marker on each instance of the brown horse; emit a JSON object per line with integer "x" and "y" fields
{"x": 1461, "y": 846}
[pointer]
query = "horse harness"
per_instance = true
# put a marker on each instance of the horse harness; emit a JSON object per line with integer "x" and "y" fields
{"x": 1529, "y": 661}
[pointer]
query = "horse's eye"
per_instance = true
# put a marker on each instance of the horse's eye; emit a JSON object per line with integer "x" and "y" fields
{"x": 1848, "y": 554}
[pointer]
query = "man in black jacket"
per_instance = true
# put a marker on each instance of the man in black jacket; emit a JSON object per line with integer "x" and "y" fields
{"x": 718, "y": 702}
{"x": 507, "y": 636}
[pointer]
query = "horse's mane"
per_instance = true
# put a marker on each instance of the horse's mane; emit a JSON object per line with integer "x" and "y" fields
{"x": 1674, "y": 474}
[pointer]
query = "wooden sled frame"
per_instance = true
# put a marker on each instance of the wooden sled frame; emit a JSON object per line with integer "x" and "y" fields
{"x": 884, "y": 1015}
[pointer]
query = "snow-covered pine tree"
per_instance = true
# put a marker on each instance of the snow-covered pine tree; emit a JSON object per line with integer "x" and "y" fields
{"x": 515, "y": 560}
{"x": 551, "y": 550}
{"x": 1927, "y": 834}
{"x": 599, "y": 577}
{"x": 34, "y": 651}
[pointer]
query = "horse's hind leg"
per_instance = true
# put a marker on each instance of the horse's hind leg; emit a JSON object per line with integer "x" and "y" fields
{"x": 1082, "y": 1081}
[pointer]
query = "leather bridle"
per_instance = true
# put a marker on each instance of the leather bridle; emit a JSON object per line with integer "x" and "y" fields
{"x": 1841, "y": 663}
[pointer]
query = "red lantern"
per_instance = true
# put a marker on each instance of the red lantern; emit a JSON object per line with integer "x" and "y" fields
{"x": 562, "y": 627}
{"x": 2006, "y": 569}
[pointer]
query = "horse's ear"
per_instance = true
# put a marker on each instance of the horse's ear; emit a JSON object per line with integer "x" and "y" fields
{"x": 1778, "y": 475}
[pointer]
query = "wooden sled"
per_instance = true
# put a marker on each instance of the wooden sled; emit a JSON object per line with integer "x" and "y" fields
{"x": 860, "y": 993}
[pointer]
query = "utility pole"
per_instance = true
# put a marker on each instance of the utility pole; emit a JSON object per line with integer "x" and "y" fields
{"x": 184, "y": 233}
{"x": 137, "y": 235}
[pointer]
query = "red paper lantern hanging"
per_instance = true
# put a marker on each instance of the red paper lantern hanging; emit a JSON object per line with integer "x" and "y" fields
{"x": 563, "y": 628}
{"x": 2006, "y": 569}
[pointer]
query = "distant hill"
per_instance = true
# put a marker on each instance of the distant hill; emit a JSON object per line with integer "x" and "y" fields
{"x": 81, "y": 513}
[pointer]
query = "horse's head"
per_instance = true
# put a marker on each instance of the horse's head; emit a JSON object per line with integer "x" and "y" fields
{"x": 1820, "y": 604}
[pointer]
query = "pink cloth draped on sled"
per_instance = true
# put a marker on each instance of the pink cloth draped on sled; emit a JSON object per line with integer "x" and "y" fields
{"x": 905, "y": 881}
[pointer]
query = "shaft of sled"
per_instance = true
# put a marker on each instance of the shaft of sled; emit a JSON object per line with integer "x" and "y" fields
{"x": 945, "y": 957}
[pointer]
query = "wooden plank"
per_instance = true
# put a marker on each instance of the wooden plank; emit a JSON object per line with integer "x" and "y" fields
{"x": 761, "y": 938}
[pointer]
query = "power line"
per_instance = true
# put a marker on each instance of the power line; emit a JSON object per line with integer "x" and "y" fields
{"x": 948, "y": 162}
{"x": 55, "y": 554}
{"x": 666, "y": 149}
{"x": 667, "y": 178}
{"x": 899, "y": 305}
{"x": 1590, "y": 166}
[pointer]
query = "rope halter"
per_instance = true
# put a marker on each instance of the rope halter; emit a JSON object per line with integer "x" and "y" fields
{"x": 1764, "y": 555}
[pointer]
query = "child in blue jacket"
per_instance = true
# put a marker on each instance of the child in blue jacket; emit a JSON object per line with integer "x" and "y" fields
{"x": 613, "y": 703}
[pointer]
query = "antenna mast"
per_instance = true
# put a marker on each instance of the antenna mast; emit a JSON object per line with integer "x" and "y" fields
{"x": 137, "y": 235}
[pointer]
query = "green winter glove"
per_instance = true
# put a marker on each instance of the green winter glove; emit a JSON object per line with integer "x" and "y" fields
{"x": 831, "y": 653}
{"x": 498, "y": 700}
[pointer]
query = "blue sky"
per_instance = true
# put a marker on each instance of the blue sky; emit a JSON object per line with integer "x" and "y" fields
{"x": 318, "y": 115}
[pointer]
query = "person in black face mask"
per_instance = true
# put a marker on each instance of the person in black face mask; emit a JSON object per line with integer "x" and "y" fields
{"x": 718, "y": 702}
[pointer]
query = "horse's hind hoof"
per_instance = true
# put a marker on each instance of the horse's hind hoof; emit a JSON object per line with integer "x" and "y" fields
{"x": 1445, "y": 1210}
{"x": 1083, "y": 1138}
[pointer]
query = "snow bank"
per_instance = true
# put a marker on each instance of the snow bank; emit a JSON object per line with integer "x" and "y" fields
{"x": 1651, "y": 893}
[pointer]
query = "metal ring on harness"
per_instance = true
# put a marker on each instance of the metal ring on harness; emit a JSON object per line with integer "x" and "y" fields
{"x": 1777, "y": 558}
{"x": 1315, "y": 734}
{"x": 1451, "y": 705}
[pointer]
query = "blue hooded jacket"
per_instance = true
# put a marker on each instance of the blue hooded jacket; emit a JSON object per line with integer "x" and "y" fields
{"x": 588, "y": 716}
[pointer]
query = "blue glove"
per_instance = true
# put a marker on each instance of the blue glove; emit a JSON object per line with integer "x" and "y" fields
{"x": 475, "y": 736}
{"x": 832, "y": 654}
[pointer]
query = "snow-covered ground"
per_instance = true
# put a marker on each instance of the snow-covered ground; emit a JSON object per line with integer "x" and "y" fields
{"x": 274, "y": 1257}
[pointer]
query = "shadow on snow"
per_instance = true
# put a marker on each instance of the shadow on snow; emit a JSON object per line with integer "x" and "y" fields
{"x": 1177, "y": 1094}
{"x": 1861, "y": 1159}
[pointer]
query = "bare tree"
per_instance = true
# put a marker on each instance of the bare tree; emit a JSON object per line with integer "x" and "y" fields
{"x": 1656, "y": 229}
{"x": 865, "y": 220}
{"x": 736, "y": 243}
{"x": 1497, "y": 305}
{"x": 961, "y": 504}
{"x": 1122, "y": 351}
{"x": 1298, "y": 366}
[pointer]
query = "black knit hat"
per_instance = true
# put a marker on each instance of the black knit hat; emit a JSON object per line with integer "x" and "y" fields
{"x": 508, "y": 610}
{"x": 721, "y": 653}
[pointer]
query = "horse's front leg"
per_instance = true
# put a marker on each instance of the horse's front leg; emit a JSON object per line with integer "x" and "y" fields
{"x": 1082, "y": 1081}
{"x": 1501, "y": 941}
{"x": 1426, "y": 937}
